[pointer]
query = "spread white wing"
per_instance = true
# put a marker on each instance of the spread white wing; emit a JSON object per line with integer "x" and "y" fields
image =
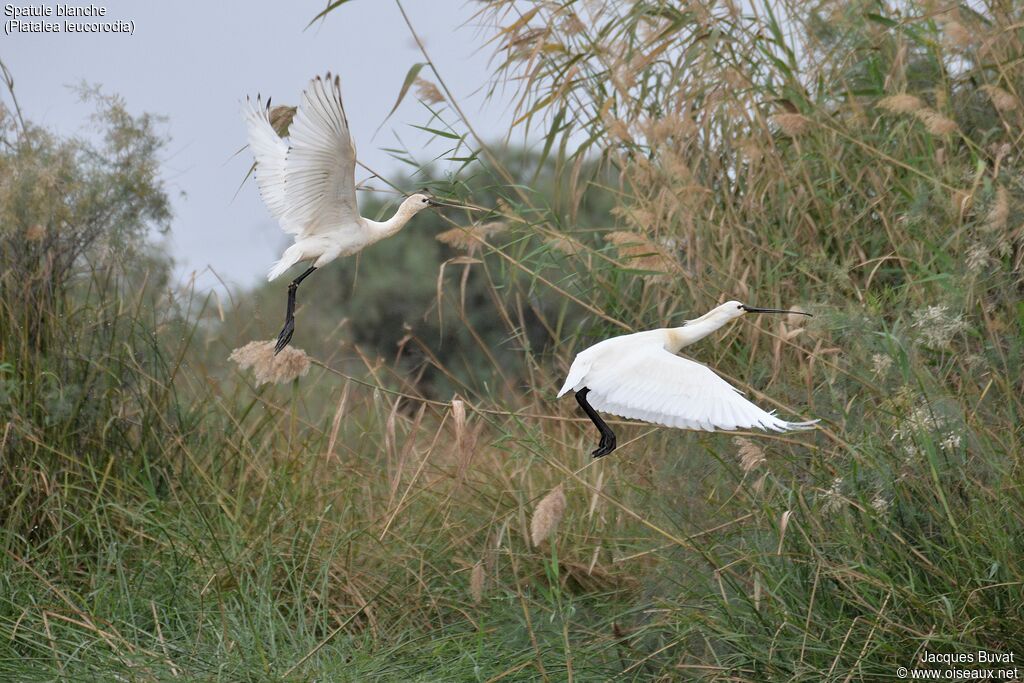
{"x": 646, "y": 382}
{"x": 270, "y": 152}
{"x": 308, "y": 182}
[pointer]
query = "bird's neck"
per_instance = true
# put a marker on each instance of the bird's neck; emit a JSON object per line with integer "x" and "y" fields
{"x": 393, "y": 224}
{"x": 693, "y": 330}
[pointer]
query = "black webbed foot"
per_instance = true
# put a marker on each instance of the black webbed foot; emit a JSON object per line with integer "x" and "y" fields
{"x": 606, "y": 446}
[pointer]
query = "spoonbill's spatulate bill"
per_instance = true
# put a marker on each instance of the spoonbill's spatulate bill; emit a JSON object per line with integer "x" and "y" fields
{"x": 307, "y": 182}
{"x": 639, "y": 376}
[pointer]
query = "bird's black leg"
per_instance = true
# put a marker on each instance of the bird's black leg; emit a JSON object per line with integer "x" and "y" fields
{"x": 289, "y": 315}
{"x": 607, "y": 444}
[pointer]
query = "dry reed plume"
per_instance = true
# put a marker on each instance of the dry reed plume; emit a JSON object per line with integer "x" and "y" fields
{"x": 641, "y": 252}
{"x": 901, "y": 104}
{"x": 547, "y": 515}
{"x": 267, "y": 368}
{"x": 751, "y": 455}
{"x": 476, "y": 582}
{"x": 281, "y": 119}
{"x": 1001, "y": 99}
{"x": 792, "y": 125}
{"x": 935, "y": 123}
{"x": 428, "y": 92}
{"x": 471, "y": 238}
{"x": 999, "y": 214}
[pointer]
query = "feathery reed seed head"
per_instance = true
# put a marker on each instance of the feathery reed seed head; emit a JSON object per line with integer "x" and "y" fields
{"x": 935, "y": 123}
{"x": 999, "y": 214}
{"x": 465, "y": 439}
{"x": 476, "y": 583}
{"x": 751, "y": 455}
{"x": 639, "y": 251}
{"x": 459, "y": 417}
{"x": 468, "y": 238}
{"x": 428, "y": 92}
{"x": 957, "y": 36}
{"x": 792, "y": 125}
{"x": 281, "y": 119}
{"x": 547, "y": 515}
{"x": 1001, "y": 99}
{"x": 267, "y": 368}
{"x": 901, "y": 104}
{"x": 564, "y": 244}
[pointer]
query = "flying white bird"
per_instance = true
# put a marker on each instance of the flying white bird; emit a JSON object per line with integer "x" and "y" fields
{"x": 640, "y": 376}
{"x": 307, "y": 182}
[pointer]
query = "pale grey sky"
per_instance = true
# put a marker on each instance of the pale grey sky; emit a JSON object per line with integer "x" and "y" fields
{"x": 194, "y": 62}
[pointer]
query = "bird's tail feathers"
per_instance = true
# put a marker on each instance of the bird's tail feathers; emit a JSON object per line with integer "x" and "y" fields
{"x": 577, "y": 371}
{"x": 801, "y": 426}
{"x": 290, "y": 257}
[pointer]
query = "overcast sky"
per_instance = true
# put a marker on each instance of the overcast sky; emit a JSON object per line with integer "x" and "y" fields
{"x": 194, "y": 62}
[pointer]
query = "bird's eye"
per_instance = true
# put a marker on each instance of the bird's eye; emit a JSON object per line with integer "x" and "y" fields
{"x": 424, "y": 201}
{"x": 740, "y": 307}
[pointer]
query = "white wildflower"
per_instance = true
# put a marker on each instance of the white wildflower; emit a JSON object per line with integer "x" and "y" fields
{"x": 937, "y": 326}
{"x": 834, "y": 496}
{"x": 923, "y": 420}
{"x": 978, "y": 258}
{"x": 880, "y": 364}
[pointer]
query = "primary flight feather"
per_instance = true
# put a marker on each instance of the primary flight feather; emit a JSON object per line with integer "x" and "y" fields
{"x": 307, "y": 181}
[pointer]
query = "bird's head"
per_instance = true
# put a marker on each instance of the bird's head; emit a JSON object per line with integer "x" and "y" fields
{"x": 415, "y": 203}
{"x": 734, "y": 309}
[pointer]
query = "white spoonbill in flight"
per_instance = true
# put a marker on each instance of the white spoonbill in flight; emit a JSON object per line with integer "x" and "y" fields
{"x": 639, "y": 376}
{"x": 308, "y": 183}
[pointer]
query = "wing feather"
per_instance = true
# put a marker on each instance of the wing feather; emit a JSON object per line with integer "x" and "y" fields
{"x": 270, "y": 152}
{"x": 651, "y": 384}
{"x": 321, "y": 162}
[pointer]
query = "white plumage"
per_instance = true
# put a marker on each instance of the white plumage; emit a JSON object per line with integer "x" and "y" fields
{"x": 639, "y": 376}
{"x": 307, "y": 182}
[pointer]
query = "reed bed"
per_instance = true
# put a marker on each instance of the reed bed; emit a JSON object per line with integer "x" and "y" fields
{"x": 427, "y": 511}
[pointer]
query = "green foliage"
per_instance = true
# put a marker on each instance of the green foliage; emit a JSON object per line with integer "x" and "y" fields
{"x": 86, "y": 380}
